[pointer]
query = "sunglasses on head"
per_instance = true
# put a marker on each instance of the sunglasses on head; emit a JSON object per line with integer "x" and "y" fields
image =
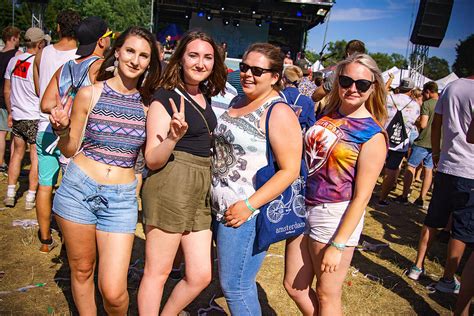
{"x": 256, "y": 71}
{"x": 362, "y": 85}
{"x": 110, "y": 34}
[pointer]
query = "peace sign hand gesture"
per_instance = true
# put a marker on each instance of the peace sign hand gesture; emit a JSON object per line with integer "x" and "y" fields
{"x": 178, "y": 125}
{"x": 59, "y": 117}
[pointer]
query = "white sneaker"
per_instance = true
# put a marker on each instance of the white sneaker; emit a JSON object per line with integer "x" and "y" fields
{"x": 414, "y": 273}
{"x": 29, "y": 205}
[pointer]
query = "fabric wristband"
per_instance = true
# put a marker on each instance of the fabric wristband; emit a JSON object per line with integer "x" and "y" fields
{"x": 250, "y": 207}
{"x": 338, "y": 246}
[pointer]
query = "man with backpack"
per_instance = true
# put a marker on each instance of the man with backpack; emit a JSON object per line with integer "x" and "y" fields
{"x": 421, "y": 148}
{"x": 94, "y": 39}
{"x": 403, "y": 112}
{"x": 46, "y": 63}
{"x": 23, "y": 115}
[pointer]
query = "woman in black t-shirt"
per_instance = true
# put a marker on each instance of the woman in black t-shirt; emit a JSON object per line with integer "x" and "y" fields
{"x": 176, "y": 193}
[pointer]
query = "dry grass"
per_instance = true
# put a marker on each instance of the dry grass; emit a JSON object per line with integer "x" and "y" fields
{"x": 386, "y": 292}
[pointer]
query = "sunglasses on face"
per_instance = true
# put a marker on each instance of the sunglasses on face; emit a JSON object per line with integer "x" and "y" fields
{"x": 256, "y": 71}
{"x": 362, "y": 85}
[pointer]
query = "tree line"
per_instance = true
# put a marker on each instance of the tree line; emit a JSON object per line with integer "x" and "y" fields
{"x": 435, "y": 68}
{"x": 119, "y": 14}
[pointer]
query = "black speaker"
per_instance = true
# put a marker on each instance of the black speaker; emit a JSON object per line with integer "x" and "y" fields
{"x": 431, "y": 22}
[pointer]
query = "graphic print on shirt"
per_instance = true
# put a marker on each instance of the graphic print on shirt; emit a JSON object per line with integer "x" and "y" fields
{"x": 320, "y": 140}
{"x": 21, "y": 69}
{"x": 227, "y": 155}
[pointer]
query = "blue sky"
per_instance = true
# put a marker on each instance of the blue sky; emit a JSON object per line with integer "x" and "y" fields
{"x": 384, "y": 26}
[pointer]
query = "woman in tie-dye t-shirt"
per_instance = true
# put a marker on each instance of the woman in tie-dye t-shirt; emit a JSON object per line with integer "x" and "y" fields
{"x": 344, "y": 152}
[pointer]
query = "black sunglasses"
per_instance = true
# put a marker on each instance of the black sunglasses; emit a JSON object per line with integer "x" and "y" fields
{"x": 362, "y": 85}
{"x": 256, "y": 71}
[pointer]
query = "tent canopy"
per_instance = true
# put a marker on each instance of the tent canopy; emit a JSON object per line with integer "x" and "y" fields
{"x": 444, "y": 81}
{"x": 400, "y": 74}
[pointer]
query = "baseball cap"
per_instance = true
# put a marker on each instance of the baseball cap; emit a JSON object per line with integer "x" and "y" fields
{"x": 406, "y": 84}
{"x": 293, "y": 73}
{"x": 34, "y": 34}
{"x": 88, "y": 32}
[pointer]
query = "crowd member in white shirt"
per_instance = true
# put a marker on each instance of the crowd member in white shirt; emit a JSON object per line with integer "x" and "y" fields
{"x": 23, "y": 115}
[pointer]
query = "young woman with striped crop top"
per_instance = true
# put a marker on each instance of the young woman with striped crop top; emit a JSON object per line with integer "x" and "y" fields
{"x": 345, "y": 152}
{"x": 176, "y": 208}
{"x": 96, "y": 206}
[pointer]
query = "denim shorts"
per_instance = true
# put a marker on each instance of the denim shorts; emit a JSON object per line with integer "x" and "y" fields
{"x": 419, "y": 154}
{"x": 48, "y": 163}
{"x": 112, "y": 208}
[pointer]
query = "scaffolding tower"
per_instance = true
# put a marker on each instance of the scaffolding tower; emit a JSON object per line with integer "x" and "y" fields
{"x": 418, "y": 58}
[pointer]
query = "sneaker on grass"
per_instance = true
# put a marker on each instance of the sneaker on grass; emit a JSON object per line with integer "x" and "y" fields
{"x": 383, "y": 203}
{"x": 446, "y": 286}
{"x": 402, "y": 200}
{"x": 414, "y": 273}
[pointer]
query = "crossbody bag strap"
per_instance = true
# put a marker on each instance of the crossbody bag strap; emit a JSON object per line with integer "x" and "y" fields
{"x": 191, "y": 101}
{"x": 297, "y": 98}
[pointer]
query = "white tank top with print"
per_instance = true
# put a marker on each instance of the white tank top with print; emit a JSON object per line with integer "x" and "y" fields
{"x": 240, "y": 151}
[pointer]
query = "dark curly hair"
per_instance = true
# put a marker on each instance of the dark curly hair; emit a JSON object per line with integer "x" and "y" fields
{"x": 148, "y": 86}
{"x": 173, "y": 75}
{"x": 68, "y": 20}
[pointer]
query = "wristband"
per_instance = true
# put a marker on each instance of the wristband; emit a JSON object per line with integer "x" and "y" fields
{"x": 435, "y": 154}
{"x": 62, "y": 132}
{"x": 338, "y": 246}
{"x": 250, "y": 207}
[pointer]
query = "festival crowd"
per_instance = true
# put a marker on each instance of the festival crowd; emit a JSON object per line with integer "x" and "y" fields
{"x": 223, "y": 164}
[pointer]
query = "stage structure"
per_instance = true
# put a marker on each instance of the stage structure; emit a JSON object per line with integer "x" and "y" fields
{"x": 429, "y": 30}
{"x": 240, "y": 23}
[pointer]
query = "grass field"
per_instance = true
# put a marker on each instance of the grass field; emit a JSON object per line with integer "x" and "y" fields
{"x": 375, "y": 285}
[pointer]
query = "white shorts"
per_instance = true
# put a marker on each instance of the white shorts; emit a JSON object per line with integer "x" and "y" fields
{"x": 323, "y": 221}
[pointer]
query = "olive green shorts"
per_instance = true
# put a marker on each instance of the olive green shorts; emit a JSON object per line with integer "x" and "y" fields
{"x": 176, "y": 198}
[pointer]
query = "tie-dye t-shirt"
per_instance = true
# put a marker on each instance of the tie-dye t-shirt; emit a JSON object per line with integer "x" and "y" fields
{"x": 332, "y": 147}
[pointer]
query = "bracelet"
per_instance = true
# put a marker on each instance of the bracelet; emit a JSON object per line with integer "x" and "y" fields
{"x": 435, "y": 154}
{"x": 250, "y": 207}
{"x": 62, "y": 132}
{"x": 338, "y": 246}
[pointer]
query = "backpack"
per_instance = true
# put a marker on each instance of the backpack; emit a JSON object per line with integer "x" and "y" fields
{"x": 74, "y": 87}
{"x": 397, "y": 133}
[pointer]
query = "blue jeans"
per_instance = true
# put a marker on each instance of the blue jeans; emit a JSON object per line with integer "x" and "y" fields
{"x": 239, "y": 264}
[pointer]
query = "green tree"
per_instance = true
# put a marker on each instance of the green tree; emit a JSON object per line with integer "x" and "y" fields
{"x": 384, "y": 61}
{"x": 436, "y": 68}
{"x": 336, "y": 50}
{"x": 312, "y": 56}
{"x": 399, "y": 61}
{"x": 464, "y": 64}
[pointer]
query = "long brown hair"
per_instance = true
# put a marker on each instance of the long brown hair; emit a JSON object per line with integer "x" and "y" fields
{"x": 173, "y": 75}
{"x": 148, "y": 86}
{"x": 275, "y": 57}
{"x": 375, "y": 104}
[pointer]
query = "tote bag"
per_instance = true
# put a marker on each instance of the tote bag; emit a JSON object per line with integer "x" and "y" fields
{"x": 283, "y": 217}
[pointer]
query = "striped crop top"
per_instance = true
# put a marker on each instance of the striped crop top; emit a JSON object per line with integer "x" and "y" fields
{"x": 115, "y": 129}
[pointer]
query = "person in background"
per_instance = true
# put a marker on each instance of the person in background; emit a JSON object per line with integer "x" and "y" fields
{"x": 302, "y": 104}
{"x": 176, "y": 192}
{"x": 287, "y": 61}
{"x": 306, "y": 86}
{"x": 421, "y": 148}
{"x": 95, "y": 205}
{"x": 344, "y": 151}
{"x": 11, "y": 38}
{"x": 23, "y": 115}
{"x": 47, "y": 62}
{"x": 453, "y": 193}
{"x": 352, "y": 47}
{"x": 410, "y": 111}
{"x": 240, "y": 141}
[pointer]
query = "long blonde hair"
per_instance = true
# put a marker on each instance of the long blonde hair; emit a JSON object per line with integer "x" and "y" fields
{"x": 375, "y": 104}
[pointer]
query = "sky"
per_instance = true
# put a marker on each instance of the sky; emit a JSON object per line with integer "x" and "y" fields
{"x": 384, "y": 26}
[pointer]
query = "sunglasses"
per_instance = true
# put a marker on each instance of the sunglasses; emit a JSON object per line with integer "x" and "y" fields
{"x": 362, "y": 85}
{"x": 110, "y": 34}
{"x": 256, "y": 71}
